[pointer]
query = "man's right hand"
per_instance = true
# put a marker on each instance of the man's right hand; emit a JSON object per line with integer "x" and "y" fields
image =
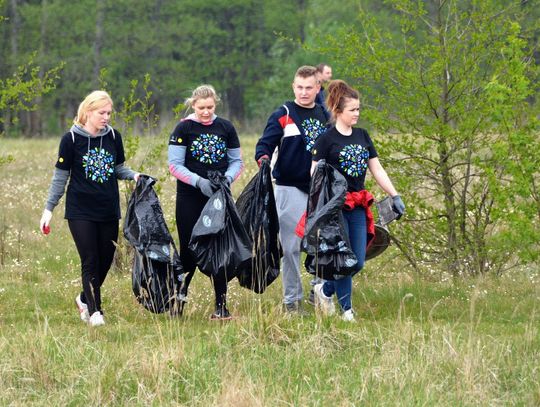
{"x": 261, "y": 159}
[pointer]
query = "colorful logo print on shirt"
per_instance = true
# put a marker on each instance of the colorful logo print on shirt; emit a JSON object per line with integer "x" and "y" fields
{"x": 208, "y": 148}
{"x": 353, "y": 160}
{"x": 98, "y": 164}
{"x": 312, "y": 129}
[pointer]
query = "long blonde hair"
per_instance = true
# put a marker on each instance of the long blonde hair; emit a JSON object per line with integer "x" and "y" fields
{"x": 95, "y": 100}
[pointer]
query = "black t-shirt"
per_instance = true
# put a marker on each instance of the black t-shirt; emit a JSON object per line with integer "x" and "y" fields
{"x": 92, "y": 192}
{"x": 312, "y": 122}
{"x": 206, "y": 145}
{"x": 348, "y": 154}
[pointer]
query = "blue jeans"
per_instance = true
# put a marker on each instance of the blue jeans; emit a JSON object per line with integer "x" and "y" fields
{"x": 356, "y": 228}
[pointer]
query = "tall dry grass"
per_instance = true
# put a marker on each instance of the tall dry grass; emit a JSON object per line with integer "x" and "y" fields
{"x": 416, "y": 341}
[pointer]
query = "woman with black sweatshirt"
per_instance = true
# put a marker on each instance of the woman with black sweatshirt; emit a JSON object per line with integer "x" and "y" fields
{"x": 91, "y": 158}
{"x": 201, "y": 142}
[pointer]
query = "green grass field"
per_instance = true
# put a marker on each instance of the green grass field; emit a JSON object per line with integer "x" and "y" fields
{"x": 417, "y": 341}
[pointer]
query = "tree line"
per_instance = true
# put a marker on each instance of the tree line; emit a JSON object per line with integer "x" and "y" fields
{"x": 232, "y": 44}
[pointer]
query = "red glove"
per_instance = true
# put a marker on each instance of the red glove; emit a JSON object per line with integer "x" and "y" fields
{"x": 261, "y": 158}
{"x": 301, "y": 226}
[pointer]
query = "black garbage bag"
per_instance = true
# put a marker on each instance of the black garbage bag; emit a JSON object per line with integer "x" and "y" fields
{"x": 257, "y": 208}
{"x": 325, "y": 241}
{"x": 157, "y": 271}
{"x": 219, "y": 241}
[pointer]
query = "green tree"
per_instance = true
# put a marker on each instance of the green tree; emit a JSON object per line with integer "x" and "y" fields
{"x": 232, "y": 45}
{"x": 21, "y": 86}
{"x": 447, "y": 85}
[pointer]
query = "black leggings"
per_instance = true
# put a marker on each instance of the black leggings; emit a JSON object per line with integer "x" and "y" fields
{"x": 95, "y": 243}
{"x": 188, "y": 209}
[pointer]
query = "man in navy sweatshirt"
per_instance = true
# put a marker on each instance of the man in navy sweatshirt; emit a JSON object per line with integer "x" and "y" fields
{"x": 293, "y": 129}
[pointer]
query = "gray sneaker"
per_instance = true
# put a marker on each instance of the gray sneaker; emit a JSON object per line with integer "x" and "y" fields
{"x": 295, "y": 308}
{"x": 311, "y": 298}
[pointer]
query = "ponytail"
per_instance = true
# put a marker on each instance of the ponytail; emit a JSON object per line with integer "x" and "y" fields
{"x": 338, "y": 93}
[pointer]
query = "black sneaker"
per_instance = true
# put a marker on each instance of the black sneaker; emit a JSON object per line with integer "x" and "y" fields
{"x": 178, "y": 304}
{"x": 177, "y": 308}
{"x": 221, "y": 314}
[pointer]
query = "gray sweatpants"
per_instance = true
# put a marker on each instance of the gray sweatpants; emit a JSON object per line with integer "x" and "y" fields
{"x": 291, "y": 204}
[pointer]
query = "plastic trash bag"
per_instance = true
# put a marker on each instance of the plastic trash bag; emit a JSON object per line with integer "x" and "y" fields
{"x": 219, "y": 241}
{"x": 257, "y": 208}
{"x": 325, "y": 241}
{"x": 157, "y": 271}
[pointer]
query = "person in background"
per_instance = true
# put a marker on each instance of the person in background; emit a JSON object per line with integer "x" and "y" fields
{"x": 324, "y": 76}
{"x": 91, "y": 158}
{"x": 201, "y": 142}
{"x": 351, "y": 151}
{"x": 293, "y": 128}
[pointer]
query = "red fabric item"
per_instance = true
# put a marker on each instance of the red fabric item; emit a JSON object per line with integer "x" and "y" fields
{"x": 364, "y": 199}
{"x": 301, "y": 226}
{"x": 263, "y": 157}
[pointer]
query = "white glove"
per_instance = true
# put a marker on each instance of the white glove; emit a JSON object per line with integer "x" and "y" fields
{"x": 45, "y": 220}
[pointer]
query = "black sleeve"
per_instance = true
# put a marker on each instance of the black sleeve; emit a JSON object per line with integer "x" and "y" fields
{"x": 65, "y": 153}
{"x": 120, "y": 155}
{"x": 177, "y": 137}
{"x": 232, "y": 137}
{"x": 371, "y": 146}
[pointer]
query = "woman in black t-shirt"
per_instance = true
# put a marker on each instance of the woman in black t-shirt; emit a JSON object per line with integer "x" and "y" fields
{"x": 351, "y": 151}
{"x": 201, "y": 142}
{"x": 91, "y": 157}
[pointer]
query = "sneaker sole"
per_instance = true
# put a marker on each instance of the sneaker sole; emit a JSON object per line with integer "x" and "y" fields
{"x": 83, "y": 313}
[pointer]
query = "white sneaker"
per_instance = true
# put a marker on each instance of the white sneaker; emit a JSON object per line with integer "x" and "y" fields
{"x": 326, "y": 304}
{"x": 96, "y": 319}
{"x": 83, "y": 308}
{"x": 348, "y": 316}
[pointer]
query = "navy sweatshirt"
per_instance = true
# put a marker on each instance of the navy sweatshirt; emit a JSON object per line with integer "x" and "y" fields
{"x": 294, "y": 130}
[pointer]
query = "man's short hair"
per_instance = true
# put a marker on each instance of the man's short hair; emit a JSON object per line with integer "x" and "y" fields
{"x": 306, "y": 71}
{"x": 320, "y": 67}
